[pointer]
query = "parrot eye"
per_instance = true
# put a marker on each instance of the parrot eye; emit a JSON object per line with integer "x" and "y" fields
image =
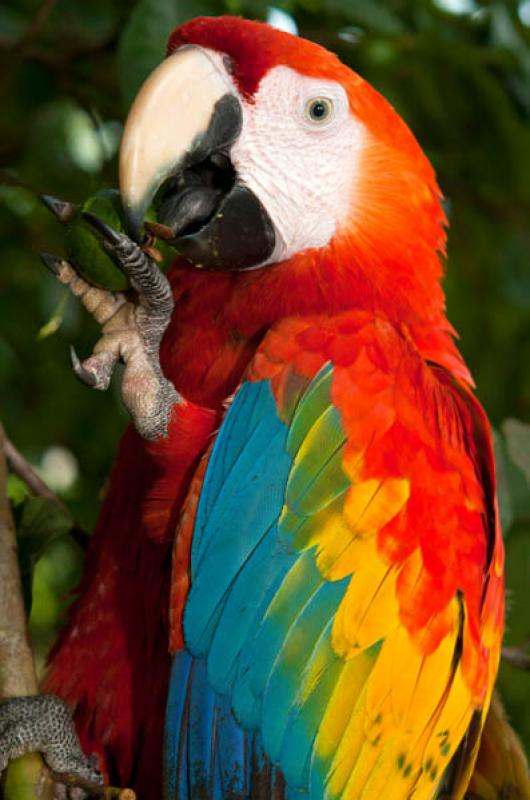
{"x": 319, "y": 109}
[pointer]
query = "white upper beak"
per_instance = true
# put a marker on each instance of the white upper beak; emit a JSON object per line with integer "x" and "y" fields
{"x": 171, "y": 112}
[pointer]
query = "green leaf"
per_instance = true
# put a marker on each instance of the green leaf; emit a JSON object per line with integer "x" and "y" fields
{"x": 17, "y": 490}
{"x": 43, "y": 519}
{"x": 39, "y": 521}
{"x": 143, "y": 42}
{"x": 518, "y": 444}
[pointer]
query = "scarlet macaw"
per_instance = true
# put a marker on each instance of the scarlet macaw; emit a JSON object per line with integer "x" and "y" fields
{"x": 336, "y": 597}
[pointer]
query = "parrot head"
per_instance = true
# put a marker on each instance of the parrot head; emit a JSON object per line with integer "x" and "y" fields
{"x": 267, "y": 156}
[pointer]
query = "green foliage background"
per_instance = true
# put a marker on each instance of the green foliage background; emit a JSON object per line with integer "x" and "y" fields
{"x": 457, "y": 70}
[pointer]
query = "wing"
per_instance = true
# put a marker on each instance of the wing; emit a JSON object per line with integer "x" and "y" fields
{"x": 342, "y": 625}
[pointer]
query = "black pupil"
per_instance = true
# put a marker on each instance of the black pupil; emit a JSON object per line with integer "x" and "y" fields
{"x": 318, "y": 109}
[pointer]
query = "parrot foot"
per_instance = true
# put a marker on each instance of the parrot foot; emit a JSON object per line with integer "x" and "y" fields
{"x": 44, "y": 724}
{"x": 95, "y": 371}
{"x": 132, "y": 326}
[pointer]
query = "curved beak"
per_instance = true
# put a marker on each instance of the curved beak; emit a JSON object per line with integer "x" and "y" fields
{"x": 185, "y": 108}
{"x": 176, "y": 150}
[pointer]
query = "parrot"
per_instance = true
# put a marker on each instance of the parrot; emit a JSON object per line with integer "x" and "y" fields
{"x": 295, "y": 585}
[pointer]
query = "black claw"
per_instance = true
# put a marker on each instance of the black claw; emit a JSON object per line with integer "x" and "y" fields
{"x": 83, "y": 374}
{"x": 107, "y": 231}
{"x": 51, "y": 262}
{"x": 62, "y": 209}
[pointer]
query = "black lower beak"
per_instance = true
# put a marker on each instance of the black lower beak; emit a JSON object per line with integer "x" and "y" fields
{"x": 239, "y": 236}
{"x": 216, "y": 222}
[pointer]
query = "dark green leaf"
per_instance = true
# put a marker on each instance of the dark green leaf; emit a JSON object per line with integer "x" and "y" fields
{"x": 39, "y": 521}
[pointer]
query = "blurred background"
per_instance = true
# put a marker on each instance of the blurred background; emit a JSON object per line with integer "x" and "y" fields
{"x": 457, "y": 70}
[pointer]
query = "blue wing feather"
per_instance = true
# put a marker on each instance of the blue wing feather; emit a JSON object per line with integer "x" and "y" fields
{"x": 241, "y": 418}
{"x": 284, "y": 675}
{"x": 231, "y": 752}
{"x": 256, "y": 608}
{"x": 175, "y": 734}
{"x": 201, "y": 732}
{"x": 218, "y": 567}
{"x": 251, "y": 592}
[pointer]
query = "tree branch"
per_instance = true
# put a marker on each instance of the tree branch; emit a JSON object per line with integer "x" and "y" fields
{"x": 18, "y": 464}
{"x": 17, "y": 670}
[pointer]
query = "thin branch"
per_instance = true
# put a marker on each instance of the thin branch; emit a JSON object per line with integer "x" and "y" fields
{"x": 18, "y": 464}
{"x": 21, "y": 467}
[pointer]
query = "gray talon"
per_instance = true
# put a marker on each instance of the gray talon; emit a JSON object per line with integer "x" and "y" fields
{"x": 84, "y": 375}
{"x": 44, "y": 724}
{"x": 62, "y": 209}
{"x": 95, "y": 371}
{"x": 51, "y": 262}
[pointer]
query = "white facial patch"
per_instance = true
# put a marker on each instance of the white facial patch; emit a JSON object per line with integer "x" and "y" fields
{"x": 299, "y": 152}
